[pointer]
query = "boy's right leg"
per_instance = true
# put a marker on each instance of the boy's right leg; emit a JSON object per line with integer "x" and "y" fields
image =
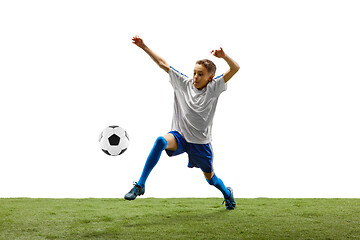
{"x": 171, "y": 142}
{"x": 153, "y": 159}
{"x": 161, "y": 143}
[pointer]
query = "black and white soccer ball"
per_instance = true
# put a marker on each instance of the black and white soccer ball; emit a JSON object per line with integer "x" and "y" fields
{"x": 114, "y": 140}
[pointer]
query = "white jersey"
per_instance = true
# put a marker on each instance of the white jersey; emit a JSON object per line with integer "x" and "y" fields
{"x": 194, "y": 109}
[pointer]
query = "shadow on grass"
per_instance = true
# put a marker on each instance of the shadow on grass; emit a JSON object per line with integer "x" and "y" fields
{"x": 170, "y": 223}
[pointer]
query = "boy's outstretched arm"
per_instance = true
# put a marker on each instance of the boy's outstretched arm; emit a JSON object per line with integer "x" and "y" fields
{"x": 157, "y": 59}
{"x": 234, "y": 67}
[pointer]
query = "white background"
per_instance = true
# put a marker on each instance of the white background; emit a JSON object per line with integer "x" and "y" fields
{"x": 288, "y": 126}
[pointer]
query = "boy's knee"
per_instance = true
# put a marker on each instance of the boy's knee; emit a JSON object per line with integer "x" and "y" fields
{"x": 212, "y": 181}
{"x": 161, "y": 142}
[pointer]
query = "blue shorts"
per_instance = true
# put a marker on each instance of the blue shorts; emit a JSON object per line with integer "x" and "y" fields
{"x": 200, "y": 155}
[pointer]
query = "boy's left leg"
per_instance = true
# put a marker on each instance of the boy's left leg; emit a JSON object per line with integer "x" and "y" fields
{"x": 212, "y": 179}
{"x": 201, "y": 156}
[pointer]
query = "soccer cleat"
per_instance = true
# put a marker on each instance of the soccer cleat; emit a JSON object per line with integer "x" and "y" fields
{"x": 137, "y": 190}
{"x": 230, "y": 201}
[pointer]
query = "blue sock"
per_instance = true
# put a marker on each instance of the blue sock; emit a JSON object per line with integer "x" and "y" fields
{"x": 218, "y": 183}
{"x": 152, "y": 160}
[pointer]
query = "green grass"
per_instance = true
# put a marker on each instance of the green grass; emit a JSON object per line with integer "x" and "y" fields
{"x": 149, "y": 218}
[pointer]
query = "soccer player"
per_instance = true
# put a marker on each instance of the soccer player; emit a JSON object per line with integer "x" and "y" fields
{"x": 194, "y": 108}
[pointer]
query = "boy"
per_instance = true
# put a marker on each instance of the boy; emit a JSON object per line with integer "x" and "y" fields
{"x": 194, "y": 108}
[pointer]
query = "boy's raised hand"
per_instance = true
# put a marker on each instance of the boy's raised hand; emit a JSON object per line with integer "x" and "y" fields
{"x": 138, "y": 41}
{"x": 218, "y": 53}
{"x": 157, "y": 59}
{"x": 234, "y": 67}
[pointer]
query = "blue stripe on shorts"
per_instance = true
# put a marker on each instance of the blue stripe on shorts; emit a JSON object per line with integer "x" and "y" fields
{"x": 200, "y": 155}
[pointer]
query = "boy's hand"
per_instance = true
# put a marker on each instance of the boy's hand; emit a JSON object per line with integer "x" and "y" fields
{"x": 157, "y": 59}
{"x": 218, "y": 53}
{"x": 138, "y": 41}
{"x": 234, "y": 67}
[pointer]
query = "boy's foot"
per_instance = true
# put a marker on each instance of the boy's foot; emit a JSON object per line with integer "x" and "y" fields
{"x": 230, "y": 201}
{"x": 137, "y": 190}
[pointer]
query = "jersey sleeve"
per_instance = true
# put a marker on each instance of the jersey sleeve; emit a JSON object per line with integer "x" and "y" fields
{"x": 218, "y": 85}
{"x": 177, "y": 79}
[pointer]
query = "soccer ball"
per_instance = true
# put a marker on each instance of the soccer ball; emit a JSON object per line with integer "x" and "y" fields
{"x": 114, "y": 140}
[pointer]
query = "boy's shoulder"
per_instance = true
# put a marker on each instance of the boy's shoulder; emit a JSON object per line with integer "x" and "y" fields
{"x": 217, "y": 85}
{"x": 177, "y": 79}
{"x": 174, "y": 71}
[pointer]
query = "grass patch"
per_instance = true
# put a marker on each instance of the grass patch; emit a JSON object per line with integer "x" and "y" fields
{"x": 191, "y": 218}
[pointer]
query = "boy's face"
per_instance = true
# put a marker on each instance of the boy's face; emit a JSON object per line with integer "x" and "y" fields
{"x": 201, "y": 76}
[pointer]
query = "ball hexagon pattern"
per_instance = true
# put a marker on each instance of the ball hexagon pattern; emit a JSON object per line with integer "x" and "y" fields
{"x": 114, "y": 140}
